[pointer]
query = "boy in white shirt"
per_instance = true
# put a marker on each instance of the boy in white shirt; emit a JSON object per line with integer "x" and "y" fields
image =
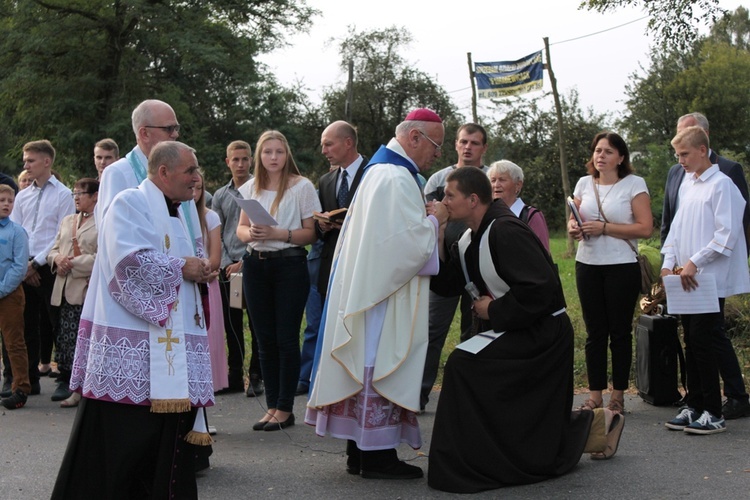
{"x": 706, "y": 237}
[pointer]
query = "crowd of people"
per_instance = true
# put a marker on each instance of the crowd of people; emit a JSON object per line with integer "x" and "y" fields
{"x": 130, "y": 277}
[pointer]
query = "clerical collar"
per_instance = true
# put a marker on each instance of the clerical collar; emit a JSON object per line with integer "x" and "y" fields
{"x": 172, "y": 206}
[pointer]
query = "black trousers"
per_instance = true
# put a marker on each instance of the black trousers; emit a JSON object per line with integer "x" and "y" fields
{"x": 701, "y": 332}
{"x": 608, "y": 296}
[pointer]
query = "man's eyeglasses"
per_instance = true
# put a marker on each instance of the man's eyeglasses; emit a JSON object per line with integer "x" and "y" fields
{"x": 170, "y": 129}
{"x": 76, "y": 194}
{"x": 438, "y": 147}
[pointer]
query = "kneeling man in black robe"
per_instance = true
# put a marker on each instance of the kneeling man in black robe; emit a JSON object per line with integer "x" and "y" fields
{"x": 504, "y": 415}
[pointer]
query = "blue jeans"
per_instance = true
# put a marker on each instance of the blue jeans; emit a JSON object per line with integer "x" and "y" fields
{"x": 276, "y": 291}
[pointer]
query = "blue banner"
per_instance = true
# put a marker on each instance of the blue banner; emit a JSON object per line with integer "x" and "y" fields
{"x": 506, "y": 78}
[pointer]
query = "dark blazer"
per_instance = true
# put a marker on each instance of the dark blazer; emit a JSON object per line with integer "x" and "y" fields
{"x": 676, "y": 174}
{"x": 327, "y": 195}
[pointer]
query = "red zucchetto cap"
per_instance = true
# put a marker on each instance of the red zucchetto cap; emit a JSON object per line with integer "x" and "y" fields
{"x": 423, "y": 115}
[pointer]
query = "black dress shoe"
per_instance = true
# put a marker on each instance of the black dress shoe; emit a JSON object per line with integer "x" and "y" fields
{"x": 302, "y": 389}
{"x": 45, "y": 373}
{"x": 7, "y": 387}
{"x": 274, "y": 425}
{"x": 61, "y": 393}
{"x": 353, "y": 458}
{"x": 259, "y": 426}
{"x": 735, "y": 408}
{"x": 255, "y": 387}
{"x": 400, "y": 470}
{"x": 384, "y": 464}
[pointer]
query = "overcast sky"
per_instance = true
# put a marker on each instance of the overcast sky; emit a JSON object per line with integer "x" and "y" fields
{"x": 599, "y": 66}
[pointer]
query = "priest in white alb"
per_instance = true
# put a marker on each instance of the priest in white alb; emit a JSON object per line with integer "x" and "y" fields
{"x": 142, "y": 362}
{"x": 373, "y": 340}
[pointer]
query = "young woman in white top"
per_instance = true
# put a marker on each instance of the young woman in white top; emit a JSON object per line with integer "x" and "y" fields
{"x": 607, "y": 273}
{"x": 211, "y": 229}
{"x": 275, "y": 278}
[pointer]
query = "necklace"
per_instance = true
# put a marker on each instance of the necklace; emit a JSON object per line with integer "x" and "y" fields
{"x": 607, "y": 194}
{"x": 86, "y": 215}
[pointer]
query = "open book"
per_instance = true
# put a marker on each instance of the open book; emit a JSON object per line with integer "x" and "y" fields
{"x": 334, "y": 216}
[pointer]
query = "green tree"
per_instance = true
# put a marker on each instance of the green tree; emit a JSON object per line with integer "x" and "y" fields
{"x": 527, "y": 135}
{"x": 710, "y": 77}
{"x": 72, "y": 71}
{"x": 674, "y": 21}
{"x": 386, "y": 87}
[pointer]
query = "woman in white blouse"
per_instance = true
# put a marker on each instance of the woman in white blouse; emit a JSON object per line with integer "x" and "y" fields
{"x": 275, "y": 278}
{"x": 616, "y": 210}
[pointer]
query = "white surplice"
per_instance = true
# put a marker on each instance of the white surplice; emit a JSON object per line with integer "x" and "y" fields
{"x": 137, "y": 295}
{"x": 707, "y": 230}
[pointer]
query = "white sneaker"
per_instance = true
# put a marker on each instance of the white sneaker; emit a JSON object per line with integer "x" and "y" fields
{"x": 707, "y": 424}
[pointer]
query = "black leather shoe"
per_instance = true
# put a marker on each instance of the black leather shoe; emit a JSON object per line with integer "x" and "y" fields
{"x": 353, "y": 458}
{"x": 61, "y": 393}
{"x": 400, "y": 470}
{"x": 735, "y": 408}
{"x": 255, "y": 387}
{"x": 301, "y": 389}
{"x": 36, "y": 389}
{"x": 384, "y": 464}
{"x": 259, "y": 426}
{"x": 273, "y": 425}
{"x": 7, "y": 387}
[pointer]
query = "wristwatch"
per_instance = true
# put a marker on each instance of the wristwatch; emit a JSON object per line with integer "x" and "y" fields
{"x": 34, "y": 265}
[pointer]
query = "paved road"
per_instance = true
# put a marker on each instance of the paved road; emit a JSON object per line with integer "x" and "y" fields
{"x": 652, "y": 462}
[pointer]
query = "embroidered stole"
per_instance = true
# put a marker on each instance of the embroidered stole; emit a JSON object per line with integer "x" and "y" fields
{"x": 170, "y": 391}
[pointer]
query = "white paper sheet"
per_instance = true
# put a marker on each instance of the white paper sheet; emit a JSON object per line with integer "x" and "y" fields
{"x": 255, "y": 212}
{"x": 479, "y": 341}
{"x": 704, "y": 299}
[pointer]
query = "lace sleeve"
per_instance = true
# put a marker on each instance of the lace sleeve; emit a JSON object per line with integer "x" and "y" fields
{"x": 146, "y": 284}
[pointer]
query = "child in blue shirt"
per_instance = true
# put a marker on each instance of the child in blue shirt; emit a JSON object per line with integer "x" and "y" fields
{"x": 14, "y": 259}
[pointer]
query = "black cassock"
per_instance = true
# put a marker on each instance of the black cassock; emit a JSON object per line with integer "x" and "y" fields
{"x": 504, "y": 414}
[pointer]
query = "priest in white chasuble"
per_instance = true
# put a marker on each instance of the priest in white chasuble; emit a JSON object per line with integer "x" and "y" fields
{"x": 373, "y": 340}
{"x": 142, "y": 361}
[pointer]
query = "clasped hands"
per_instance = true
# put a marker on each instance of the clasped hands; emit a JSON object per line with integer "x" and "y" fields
{"x": 438, "y": 210}
{"x": 198, "y": 270}
{"x": 589, "y": 228}
{"x": 64, "y": 265}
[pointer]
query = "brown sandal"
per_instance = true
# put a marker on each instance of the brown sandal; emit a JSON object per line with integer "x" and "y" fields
{"x": 591, "y": 405}
{"x": 616, "y": 406}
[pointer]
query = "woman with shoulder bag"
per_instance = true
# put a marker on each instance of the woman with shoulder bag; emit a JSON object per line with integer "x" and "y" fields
{"x": 615, "y": 207}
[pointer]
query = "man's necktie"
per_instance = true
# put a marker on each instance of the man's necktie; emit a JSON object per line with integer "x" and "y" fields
{"x": 343, "y": 190}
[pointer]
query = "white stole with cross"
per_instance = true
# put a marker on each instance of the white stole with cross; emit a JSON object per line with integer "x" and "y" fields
{"x": 168, "y": 359}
